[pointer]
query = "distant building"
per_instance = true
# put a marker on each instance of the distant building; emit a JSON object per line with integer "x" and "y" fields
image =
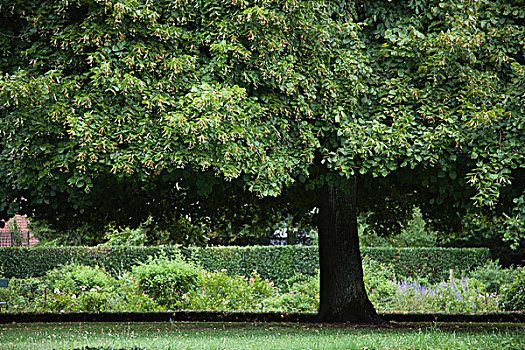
{"x": 16, "y": 233}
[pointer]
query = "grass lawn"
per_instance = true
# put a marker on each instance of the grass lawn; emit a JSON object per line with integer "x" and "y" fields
{"x": 206, "y": 335}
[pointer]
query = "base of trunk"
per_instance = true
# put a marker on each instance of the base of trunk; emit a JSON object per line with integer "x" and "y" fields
{"x": 359, "y": 314}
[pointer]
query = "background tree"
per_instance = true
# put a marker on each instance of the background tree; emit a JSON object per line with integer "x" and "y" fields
{"x": 229, "y": 111}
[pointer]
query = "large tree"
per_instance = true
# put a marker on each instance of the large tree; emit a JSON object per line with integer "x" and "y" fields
{"x": 233, "y": 110}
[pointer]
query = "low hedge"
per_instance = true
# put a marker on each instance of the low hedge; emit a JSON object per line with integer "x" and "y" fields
{"x": 276, "y": 263}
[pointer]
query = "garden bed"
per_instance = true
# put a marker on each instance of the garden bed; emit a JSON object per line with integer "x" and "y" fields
{"x": 152, "y": 290}
{"x": 205, "y": 316}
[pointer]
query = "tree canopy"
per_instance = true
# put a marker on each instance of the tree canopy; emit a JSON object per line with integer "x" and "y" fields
{"x": 161, "y": 101}
{"x": 119, "y": 109}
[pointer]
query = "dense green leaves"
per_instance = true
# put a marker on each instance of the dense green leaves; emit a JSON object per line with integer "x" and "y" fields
{"x": 276, "y": 263}
{"x": 166, "y": 102}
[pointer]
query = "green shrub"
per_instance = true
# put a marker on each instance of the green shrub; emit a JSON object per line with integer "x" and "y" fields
{"x": 431, "y": 263}
{"x": 493, "y": 276}
{"x": 411, "y": 295}
{"x": 21, "y": 293}
{"x": 380, "y": 281}
{"x": 166, "y": 279}
{"x": 275, "y": 263}
{"x": 73, "y": 278}
{"x": 454, "y": 295}
{"x": 462, "y": 295}
{"x": 219, "y": 291}
{"x": 302, "y": 295}
{"x": 125, "y": 236}
{"x": 514, "y": 294}
{"x": 96, "y": 299}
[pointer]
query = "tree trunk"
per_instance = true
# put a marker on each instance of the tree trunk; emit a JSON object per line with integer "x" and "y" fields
{"x": 343, "y": 294}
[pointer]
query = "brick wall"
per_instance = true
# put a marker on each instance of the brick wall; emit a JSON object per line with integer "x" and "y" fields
{"x": 26, "y": 237}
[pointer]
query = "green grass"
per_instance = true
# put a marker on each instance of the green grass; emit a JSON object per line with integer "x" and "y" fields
{"x": 205, "y": 335}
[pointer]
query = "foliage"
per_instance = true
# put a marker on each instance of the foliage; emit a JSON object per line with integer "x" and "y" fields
{"x": 301, "y": 296}
{"x": 415, "y": 233}
{"x": 199, "y": 113}
{"x": 275, "y": 263}
{"x": 125, "y": 236}
{"x": 28, "y": 262}
{"x": 17, "y": 238}
{"x": 41, "y": 294}
{"x": 463, "y": 295}
{"x": 73, "y": 277}
{"x": 50, "y": 235}
{"x": 219, "y": 291}
{"x": 165, "y": 279}
{"x": 380, "y": 281}
{"x": 96, "y": 299}
{"x": 493, "y": 276}
{"x": 480, "y": 231}
{"x": 21, "y": 293}
{"x": 514, "y": 294}
{"x": 165, "y": 103}
{"x": 432, "y": 263}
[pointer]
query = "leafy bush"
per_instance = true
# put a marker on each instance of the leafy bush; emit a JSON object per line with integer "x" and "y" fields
{"x": 125, "y": 236}
{"x": 95, "y": 300}
{"x": 493, "y": 276}
{"x": 275, "y": 263}
{"x": 514, "y": 294}
{"x": 21, "y": 293}
{"x": 219, "y": 291}
{"x": 379, "y": 281}
{"x": 165, "y": 279}
{"x": 414, "y": 233}
{"x": 301, "y": 296}
{"x": 73, "y": 277}
{"x": 431, "y": 263}
{"x": 463, "y": 295}
{"x": 410, "y": 296}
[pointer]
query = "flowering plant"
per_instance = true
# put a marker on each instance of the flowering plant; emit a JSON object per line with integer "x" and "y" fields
{"x": 219, "y": 291}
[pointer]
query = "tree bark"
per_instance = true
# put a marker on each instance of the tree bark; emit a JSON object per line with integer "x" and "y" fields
{"x": 343, "y": 295}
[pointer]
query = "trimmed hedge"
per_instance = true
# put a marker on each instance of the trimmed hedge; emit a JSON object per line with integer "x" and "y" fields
{"x": 276, "y": 263}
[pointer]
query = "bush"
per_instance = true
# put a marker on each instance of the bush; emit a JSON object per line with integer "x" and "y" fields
{"x": 410, "y": 296}
{"x": 431, "y": 263}
{"x": 96, "y": 299}
{"x": 301, "y": 296}
{"x": 21, "y": 293}
{"x": 219, "y": 291}
{"x": 514, "y": 294}
{"x": 462, "y": 295}
{"x": 454, "y": 295}
{"x": 275, "y": 263}
{"x": 379, "y": 281}
{"x": 73, "y": 277}
{"x": 493, "y": 276}
{"x": 165, "y": 279}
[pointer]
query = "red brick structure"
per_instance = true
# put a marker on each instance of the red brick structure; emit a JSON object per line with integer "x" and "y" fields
{"x": 23, "y": 237}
